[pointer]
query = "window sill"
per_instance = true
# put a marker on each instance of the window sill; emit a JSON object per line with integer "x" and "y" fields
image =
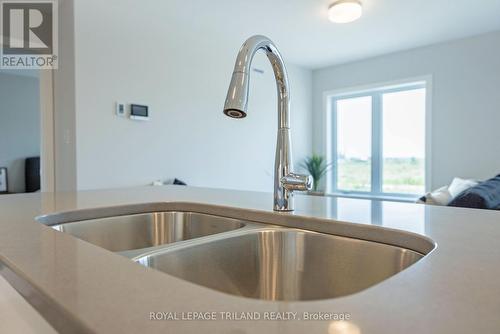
{"x": 392, "y": 198}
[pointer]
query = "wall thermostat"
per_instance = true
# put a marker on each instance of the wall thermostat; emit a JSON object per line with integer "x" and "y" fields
{"x": 139, "y": 112}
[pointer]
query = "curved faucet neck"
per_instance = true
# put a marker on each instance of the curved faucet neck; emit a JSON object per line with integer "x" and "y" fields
{"x": 244, "y": 63}
{"x": 285, "y": 181}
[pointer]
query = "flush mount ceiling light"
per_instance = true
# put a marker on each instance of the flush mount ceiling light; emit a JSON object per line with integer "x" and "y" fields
{"x": 345, "y": 11}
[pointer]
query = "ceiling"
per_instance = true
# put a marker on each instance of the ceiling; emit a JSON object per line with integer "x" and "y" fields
{"x": 304, "y": 35}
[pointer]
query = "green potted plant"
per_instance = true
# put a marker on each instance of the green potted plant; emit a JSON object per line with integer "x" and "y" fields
{"x": 317, "y": 167}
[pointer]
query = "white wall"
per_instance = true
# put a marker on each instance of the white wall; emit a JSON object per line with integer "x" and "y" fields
{"x": 64, "y": 102}
{"x": 466, "y": 100}
{"x": 131, "y": 52}
{"x": 19, "y": 125}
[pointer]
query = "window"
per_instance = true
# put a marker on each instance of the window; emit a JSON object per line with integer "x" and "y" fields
{"x": 379, "y": 141}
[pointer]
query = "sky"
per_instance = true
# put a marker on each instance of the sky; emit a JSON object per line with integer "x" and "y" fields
{"x": 403, "y": 125}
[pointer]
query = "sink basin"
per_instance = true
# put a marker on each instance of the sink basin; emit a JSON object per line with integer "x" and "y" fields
{"x": 248, "y": 258}
{"x": 138, "y": 231}
{"x": 283, "y": 264}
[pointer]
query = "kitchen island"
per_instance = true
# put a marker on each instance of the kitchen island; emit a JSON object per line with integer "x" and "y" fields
{"x": 81, "y": 288}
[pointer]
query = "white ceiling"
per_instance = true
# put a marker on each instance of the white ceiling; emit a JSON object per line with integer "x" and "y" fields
{"x": 304, "y": 35}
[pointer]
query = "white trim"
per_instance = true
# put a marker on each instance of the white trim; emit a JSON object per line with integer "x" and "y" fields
{"x": 327, "y": 142}
{"x": 47, "y": 156}
{"x": 378, "y": 86}
{"x": 401, "y": 84}
{"x": 393, "y": 198}
{"x": 377, "y": 167}
{"x": 428, "y": 132}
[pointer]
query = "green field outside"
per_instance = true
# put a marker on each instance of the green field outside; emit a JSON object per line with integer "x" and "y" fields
{"x": 400, "y": 175}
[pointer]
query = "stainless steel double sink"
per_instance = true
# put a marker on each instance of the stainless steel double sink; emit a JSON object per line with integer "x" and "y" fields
{"x": 244, "y": 258}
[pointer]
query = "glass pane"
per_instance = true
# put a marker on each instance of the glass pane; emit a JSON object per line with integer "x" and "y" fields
{"x": 404, "y": 142}
{"x": 354, "y": 142}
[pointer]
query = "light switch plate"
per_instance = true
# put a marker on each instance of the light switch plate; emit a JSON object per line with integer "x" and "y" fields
{"x": 120, "y": 109}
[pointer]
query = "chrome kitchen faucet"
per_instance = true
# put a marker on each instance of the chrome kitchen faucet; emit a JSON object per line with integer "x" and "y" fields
{"x": 285, "y": 181}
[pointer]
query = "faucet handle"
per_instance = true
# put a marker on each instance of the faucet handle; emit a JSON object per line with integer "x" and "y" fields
{"x": 297, "y": 182}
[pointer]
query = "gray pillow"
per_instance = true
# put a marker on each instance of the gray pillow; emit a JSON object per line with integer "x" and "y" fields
{"x": 485, "y": 195}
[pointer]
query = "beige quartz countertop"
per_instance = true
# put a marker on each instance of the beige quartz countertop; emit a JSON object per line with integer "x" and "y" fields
{"x": 79, "y": 287}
